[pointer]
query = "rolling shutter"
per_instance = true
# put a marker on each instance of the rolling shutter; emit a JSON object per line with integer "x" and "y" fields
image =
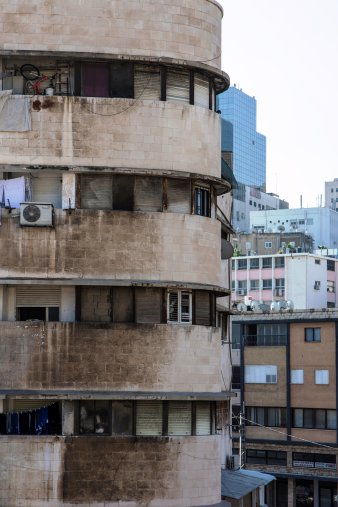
{"x": 123, "y": 304}
{"x": 38, "y": 295}
{"x": 95, "y": 304}
{"x": 147, "y": 83}
{"x": 96, "y": 191}
{"x": 179, "y": 418}
{"x": 178, "y": 86}
{"x": 11, "y": 406}
{"x": 149, "y": 418}
{"x": 148, "y": 304}
{"x": 179, "y": 196}
{"x": 47, "y": 189}
{"x": 148, "y": 194}
{"x": 203, "y": 418}
{"x": 201, "y": 91}
{"x": 202, "y": 308}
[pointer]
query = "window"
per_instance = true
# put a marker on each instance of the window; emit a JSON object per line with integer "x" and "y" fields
{"x": 233, "y": 264}
{"x": 235, "y": 418}
{"x": 179, "y": 307}
{"x": 202, "y": 201}
{"x": 268, "y": 244}
{"x": 260, "y": 374}
{"x": 236, "y": 377}
{"x": 297, "y": 376}
{"x": 317, "y": 261}
{"x": 122, "y": 417}
{"x": 267, "y": 284}
{"x": 312, "y": 334}
{"x": 330, "y": 286}
{"x": 263, "y": 457}
{"x": 331, "y": 265}
{"x": 279, "y": 262}
{"x": 267, "y": 262}
{"x": 254, "y": 284}
{"x": 242, "y": 263}
{"x": 94, "y": 417}
{"x": 236, "y": 336}
{"x": 266, "y": 416}
{"x": 38, "y": 302}
{"x": 254, "y": 263}
{"x": 317, "y": 285}
{"x": 311, "y": 460}
{"x": 314, "y": 418}
{"x": 322, "y": 377}
{"x": 242, "y": 287}
{"x": 147, "y": 82}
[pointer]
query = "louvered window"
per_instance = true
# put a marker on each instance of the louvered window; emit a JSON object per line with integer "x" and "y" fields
{"x": 201, "y": 91}
{"x": 148, "y": 194}
{"x": 96, "y": 191}
{"x": 147, "y": 82}
{"x": 148, "y": 304}
{"x": 149, "y": 418}
{"x": 203, "y": 418}
{"x": 179, "y": 307}
{"x": 179, "y": 196}
{"x": 178, "y": 86}
{"x": 179, "y": 418}
{"x": 38, "y": 302}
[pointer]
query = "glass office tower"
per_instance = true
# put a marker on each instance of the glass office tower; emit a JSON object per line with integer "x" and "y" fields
{"x": 239, "y": 136}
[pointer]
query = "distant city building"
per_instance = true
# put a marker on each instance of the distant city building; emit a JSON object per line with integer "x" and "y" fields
{"x": 331, "y": 194}
{"x": 320, "y": 223}
{"x": 268, "y": 243}
{"x": 240, "y": 137}
{"x": 308, "y": 280}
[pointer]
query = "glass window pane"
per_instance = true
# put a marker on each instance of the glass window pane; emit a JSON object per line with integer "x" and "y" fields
{"x": 331, "y": 419}
{"x": 298, "y": 418}
{"x": 308, "y": 417}
{"x": 320, "y": 419}
{"x": 122, "y": 417}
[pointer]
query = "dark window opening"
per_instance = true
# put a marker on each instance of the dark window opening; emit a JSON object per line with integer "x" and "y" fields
{"x": 50, "y": 314}
{"x": 95, "y": 80}
{"x": 94, "y": 417}
{"x": 202, "y": 201}
{"x": 42, "y": 421}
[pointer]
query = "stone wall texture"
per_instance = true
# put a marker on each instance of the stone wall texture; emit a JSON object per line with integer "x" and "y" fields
{"x": 113, "y": 245}
{"x": 189, "y": 30}
{"x": 126, "y": 133}
{"x": 109, "y": 357}
{"x": 109, "y": 471}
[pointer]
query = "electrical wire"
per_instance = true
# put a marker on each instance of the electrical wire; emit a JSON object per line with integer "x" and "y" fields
{"x": 254, "y": 423}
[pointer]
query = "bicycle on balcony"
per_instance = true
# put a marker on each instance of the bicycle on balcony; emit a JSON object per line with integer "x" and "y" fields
{"x": 34, "y": 81}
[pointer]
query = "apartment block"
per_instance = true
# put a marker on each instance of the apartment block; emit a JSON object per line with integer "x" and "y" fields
{"x": 287, "y": 381}
{"x": 114, "y": 254}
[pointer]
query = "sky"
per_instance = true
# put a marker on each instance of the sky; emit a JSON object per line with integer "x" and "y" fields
{"x": 285, "y": 54}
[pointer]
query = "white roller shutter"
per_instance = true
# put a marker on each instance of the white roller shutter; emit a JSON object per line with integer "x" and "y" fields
{"x": 201, "y": 91}
{"x": 203, "y": 418}
{"x": 47, "y": 189}
{"x": 148, "y": 194}
{"x": 147, "y": 83}
{"x": 178, "y": 86}
{"x": 179, "y": 418}
{"x": 97, "y": 191}
{"x": 38, "y": 295}
{"x": 149, "y": 418}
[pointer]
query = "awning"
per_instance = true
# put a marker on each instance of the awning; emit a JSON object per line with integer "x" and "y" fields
{"x": 238, "y": 483}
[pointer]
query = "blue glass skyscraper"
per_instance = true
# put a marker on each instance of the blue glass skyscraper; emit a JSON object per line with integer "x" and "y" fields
{"x": 239, "y": 136}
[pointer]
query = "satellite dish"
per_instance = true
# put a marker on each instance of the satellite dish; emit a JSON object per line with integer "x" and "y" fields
{"x": 241, "y": 307}
{"x": 290, "y": 305}
{"x": 254, "y": 305}
{"x": 281, "y": 228}
{"x": 274, "y": 306}
{"x": 227, "y": 250}
{"x": 264, "y": 307}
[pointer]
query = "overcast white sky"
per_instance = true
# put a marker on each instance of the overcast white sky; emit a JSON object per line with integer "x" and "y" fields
{"x": 285, "y": 53}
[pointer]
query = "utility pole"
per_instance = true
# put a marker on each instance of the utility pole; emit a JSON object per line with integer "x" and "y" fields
{"x": 241, "y": 438}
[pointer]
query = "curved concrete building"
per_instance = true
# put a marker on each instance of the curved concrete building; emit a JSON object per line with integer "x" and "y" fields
{"x": 114, "y": 270}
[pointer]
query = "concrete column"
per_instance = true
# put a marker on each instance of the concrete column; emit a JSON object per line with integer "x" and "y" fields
{"x": 68, "y": 190}
{"x": 67, "y": 313}
{"x": 291, "y": 493}
{"x": 67, "y": 417}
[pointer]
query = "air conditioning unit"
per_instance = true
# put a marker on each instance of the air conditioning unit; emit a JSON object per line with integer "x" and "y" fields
{"x": 36, "y": 214}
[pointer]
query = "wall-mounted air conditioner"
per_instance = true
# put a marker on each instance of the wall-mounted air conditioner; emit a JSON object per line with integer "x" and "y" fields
{"x": 36, "y": 214}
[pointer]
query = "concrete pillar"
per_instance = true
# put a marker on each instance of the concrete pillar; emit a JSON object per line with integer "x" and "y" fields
{"x": 68, "y": 190}
{"x": 291, "y": 493}
{"x": 67, "y": 417}
{"x": 67, "y": 311}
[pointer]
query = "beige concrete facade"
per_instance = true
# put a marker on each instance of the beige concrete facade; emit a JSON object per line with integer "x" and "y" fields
{"x": 131, "y": 246}
{"x": 57, "y": 471}
{"x": 125, "y": 357}
{"x": 126, "y": 133}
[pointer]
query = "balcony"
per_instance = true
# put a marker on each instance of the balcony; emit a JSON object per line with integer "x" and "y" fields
{"x": 109, "y": 357}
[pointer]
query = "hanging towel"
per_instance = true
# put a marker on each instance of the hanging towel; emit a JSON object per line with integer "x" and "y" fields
{"x": 15, "y": 114}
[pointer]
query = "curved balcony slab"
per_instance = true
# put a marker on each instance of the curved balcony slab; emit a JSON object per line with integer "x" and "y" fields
{"x": 132, "y": 472}
{"x": 125, "y": 133}
{"x": 111, "y": 357}
{"x": 176, "y": 30}
{"x": 114, "y": 245}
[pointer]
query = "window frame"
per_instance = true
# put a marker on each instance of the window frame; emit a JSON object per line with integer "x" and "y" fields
{"x": 311, "y": 334}
{"x": 180, "y": 293}
{"x": 204, "y": 209}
